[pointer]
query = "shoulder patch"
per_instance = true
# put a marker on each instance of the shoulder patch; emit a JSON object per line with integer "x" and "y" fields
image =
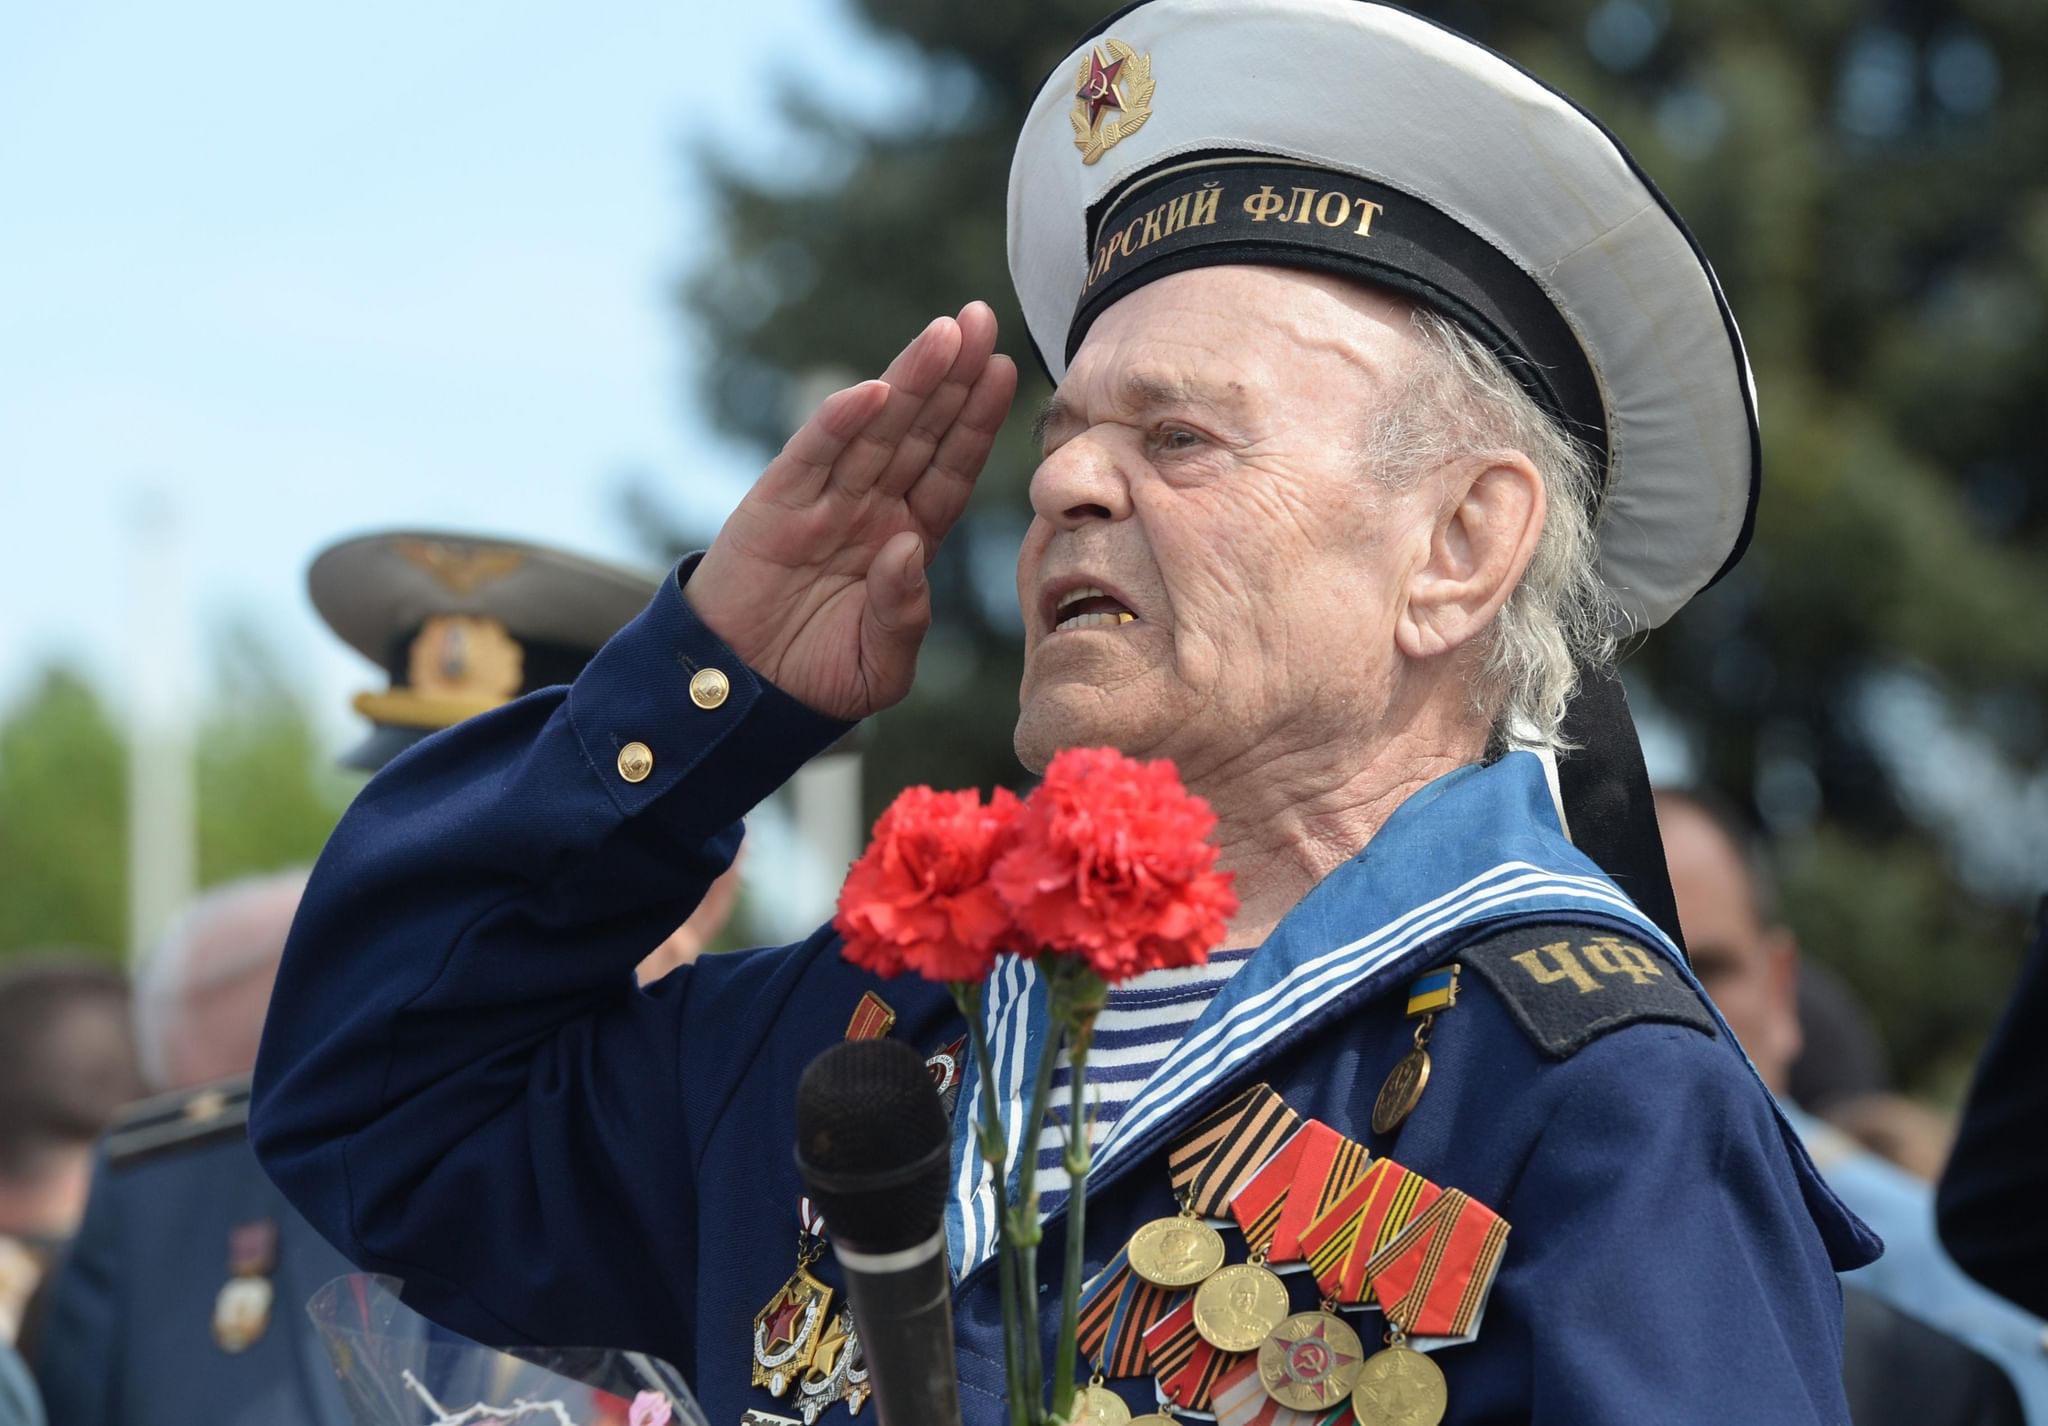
{"x": 1568, "y": 985}
{"x": 185, "y": 1118}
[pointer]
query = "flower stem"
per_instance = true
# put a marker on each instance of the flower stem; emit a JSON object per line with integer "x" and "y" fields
{"x": 1078, "y": 1153}
{"x": 967, "y": 995}
{"x": 1024, "y": 1231}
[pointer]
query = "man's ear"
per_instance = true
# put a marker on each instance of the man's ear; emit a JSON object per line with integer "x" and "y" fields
{"x": 1484, "y": 534}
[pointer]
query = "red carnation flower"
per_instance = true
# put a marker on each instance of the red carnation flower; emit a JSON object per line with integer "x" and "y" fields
{"x": 1112, "y": 862}
{"x": 919, "y": 898}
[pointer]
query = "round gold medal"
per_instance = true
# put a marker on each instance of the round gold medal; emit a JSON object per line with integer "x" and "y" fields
{"x": 1402, "y": 1091}
{"x": 1399, "y": 1387}
{"x": 1238, "y": 1307}
{"x": 1176, "y": 1252}
{"x": 1099, "y": 1406}
{"x": 1310, "y": 1361}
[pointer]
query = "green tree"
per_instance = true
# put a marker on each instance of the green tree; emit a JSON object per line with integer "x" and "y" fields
{"x": 1868, "y": 185}
{"x": 267, "y": 797}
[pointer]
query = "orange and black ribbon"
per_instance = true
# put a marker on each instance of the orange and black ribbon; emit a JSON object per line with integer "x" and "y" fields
{"x": 1116, "y": 1309}
{"x": 1186, "y": 1366}
{"x": 1215, "y": 1157}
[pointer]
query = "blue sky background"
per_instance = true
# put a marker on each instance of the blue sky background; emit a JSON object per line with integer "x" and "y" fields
{"x": 312, "y": 270}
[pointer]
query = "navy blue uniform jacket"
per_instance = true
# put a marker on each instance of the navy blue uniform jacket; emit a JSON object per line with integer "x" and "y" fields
{"x": 129, "y": 1337}
{"x": 462, "y": 1086}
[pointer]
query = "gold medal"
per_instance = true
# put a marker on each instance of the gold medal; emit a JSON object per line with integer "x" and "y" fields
{"x": 1402, "y": 1091}
{"x": 1399, "y": 1387}
{"x": 1311, "y": 1361}
{"x": 1176, "y": 1252}
{"x": 1096, "y": 1405}
{"x": 787, "y": 1330}
{"x": 1238, "y": 1307}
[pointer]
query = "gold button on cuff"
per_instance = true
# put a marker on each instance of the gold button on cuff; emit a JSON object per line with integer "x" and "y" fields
{"x": 708, "y": 687}
{"x": 636, "y": 760}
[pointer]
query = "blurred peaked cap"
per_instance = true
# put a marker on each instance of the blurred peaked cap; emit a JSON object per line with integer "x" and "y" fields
{"x": 1354, "y": 138}
{"x": 464, "y": 623}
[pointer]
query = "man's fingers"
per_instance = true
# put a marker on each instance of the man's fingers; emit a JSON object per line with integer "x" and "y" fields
{"x": 898, "y": 612}
{"x": 941, "y": 492}
{"x": 807, "y": 458}
{"x": 912, "y": 377}
{"x": 935, "y": 417}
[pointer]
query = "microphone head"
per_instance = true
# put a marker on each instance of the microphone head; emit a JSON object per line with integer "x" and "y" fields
{"x": 873, "y": 1145}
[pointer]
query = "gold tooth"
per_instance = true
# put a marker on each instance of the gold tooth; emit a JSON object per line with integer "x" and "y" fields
{"x": 1123, "y": 618}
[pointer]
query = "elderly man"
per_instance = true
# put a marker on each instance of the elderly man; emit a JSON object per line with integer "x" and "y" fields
{"x": 1359, "y": 333}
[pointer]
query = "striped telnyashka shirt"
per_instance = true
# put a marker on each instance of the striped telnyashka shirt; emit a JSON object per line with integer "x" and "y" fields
{"x": 1138, "y": 1027}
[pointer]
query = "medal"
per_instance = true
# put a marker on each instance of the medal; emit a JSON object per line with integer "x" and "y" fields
{"x": 838, "y": 1371}
{"x": 1096, "y": 1405}
{"x": 1432, "y": 1278}
{"x": 786, "y": 1331}
{"x": 1186, "y": 1365}
{"x": 1175, "y": 1252}
{"x": 1405, "y": 1082}
{"x": 1116, "y": 1309}
{"x": 1240, "y": 1307}
{"x": 1311, "y": 1361}
{"x": 241, "y": 1310}
{"x": 1399, "y": 1386}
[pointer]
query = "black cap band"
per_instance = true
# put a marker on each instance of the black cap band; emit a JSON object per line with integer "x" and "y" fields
{"x": 1274, "y": 213}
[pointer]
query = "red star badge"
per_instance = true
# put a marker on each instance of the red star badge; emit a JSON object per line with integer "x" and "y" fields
{"x": 782, "y": 1323}
{"x": 1099, "y": 88}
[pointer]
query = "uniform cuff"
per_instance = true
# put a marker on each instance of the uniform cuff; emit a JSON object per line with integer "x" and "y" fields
{"x": 665, "y": 695}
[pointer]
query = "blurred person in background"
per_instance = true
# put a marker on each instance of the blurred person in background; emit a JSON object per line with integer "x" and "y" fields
{"x": 182, "y": 1303}
{"x": 67, "y": 1065}
{"x": 1921, "y": 1342}
{"x": 179, "y": 1301}
{"x": 1995, "y": 1190}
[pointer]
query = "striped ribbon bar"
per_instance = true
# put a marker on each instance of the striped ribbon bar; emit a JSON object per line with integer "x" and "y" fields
{"x": 872, "y": 1018}
{"x": 1340, "y": 1244}
{"x": 1216, "y": 1157}
{"x": 1186, "y": 1367}
{"x": 1328, "y": 1165}
{"x": 1240, "y": 1399}
{"x": 1432, "y": 1278}
{"x": 1116, "y": 1308}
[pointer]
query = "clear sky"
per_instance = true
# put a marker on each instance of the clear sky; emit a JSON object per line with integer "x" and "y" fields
{"x": 310, "y": 270}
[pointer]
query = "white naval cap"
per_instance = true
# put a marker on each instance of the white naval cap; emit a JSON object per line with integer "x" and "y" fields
{"x": 1352, "y": 137}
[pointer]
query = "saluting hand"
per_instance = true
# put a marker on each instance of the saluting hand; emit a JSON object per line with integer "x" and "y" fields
{"x": 817, "y": 580}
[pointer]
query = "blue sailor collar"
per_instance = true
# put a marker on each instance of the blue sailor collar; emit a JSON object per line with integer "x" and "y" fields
{"x": 1477, "y": 846}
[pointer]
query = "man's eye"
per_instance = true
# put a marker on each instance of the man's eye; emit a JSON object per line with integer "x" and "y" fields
{"x": 1175, "y": 438}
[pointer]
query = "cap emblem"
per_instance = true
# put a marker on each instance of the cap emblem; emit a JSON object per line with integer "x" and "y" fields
{"x": 461, "y": 569}
{"x": 466, "y": 656}
{"x": 1112, "y": 97}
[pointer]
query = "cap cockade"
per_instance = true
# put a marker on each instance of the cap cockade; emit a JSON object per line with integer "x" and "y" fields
{"x": 1351, "y": 137}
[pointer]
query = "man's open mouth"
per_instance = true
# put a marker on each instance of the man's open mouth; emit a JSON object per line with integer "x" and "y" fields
{"x": 1089, "y": 608}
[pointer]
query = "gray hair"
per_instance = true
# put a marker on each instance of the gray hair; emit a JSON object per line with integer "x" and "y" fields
{"x": 1459, "y": 399}
{"x": 231, "y": 932}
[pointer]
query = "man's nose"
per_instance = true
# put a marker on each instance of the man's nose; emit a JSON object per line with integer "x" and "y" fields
{"x": 1081, "y": 481}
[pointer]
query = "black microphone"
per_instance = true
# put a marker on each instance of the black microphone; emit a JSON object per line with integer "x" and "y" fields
{"x": 874, "y": 1148}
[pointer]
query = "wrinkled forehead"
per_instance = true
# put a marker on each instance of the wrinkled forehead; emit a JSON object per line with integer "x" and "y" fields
{"x": 1258, "y": 331}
